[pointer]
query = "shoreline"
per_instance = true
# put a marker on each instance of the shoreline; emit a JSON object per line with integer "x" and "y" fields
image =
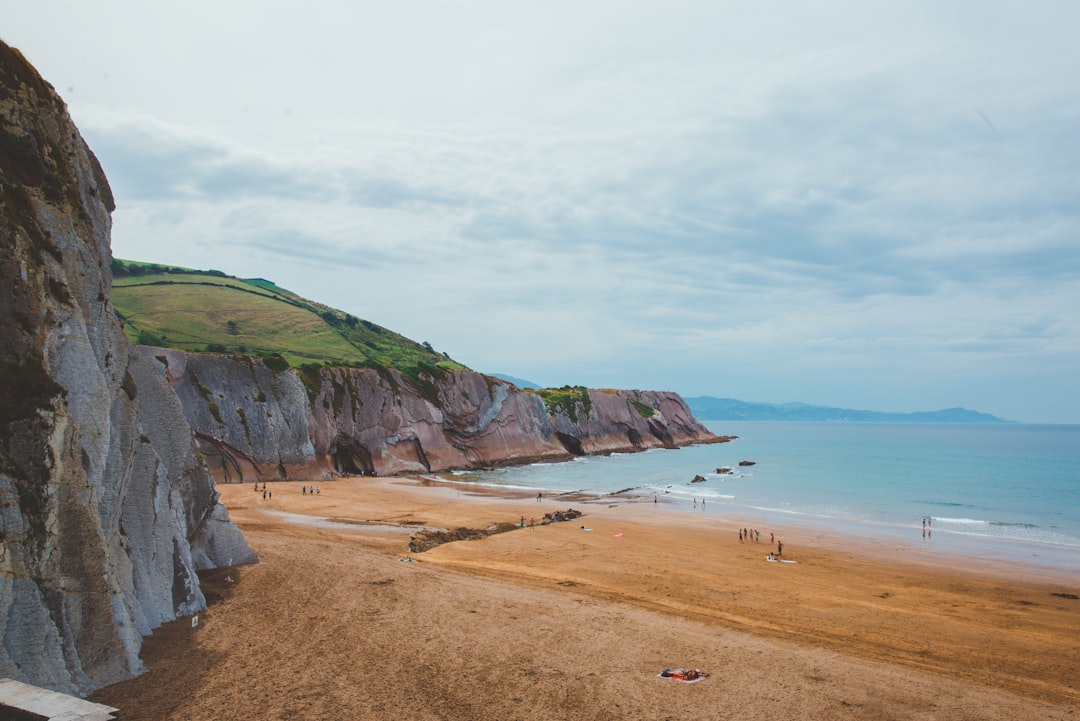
{"x": 340, "y": 620}
{"x": 939, "y": 547}
{"x": 813, "y": 475}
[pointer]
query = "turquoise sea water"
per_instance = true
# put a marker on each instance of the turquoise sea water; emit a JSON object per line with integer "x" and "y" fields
{"x": 1011, "y": 491}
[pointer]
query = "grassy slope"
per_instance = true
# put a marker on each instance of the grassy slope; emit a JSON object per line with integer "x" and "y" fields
{"x": 209, "y": 311}
{"x": 199, "y": 311}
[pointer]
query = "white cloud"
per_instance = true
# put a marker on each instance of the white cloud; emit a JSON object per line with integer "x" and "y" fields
{"x": 851, "y": 203}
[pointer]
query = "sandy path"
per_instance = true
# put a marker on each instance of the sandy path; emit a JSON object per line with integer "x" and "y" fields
{"x": 561, "y": 623}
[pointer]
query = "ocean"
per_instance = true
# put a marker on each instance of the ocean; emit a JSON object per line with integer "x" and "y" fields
{"x": 1002, "y": 491}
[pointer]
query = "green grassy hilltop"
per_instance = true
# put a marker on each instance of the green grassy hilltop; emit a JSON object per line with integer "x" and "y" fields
{"x": 209, "y": 311}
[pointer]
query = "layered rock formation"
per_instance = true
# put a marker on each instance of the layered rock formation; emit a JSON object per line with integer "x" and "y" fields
{"x": 254, "y": 422}
{"x": 106, "y": 508}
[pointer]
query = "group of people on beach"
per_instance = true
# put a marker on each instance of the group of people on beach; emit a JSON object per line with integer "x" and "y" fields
{"x": 304, "y": 490}
{"x": 752, "y": 535}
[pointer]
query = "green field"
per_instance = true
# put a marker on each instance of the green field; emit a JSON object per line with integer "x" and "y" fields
{"x": 208, "y": 311}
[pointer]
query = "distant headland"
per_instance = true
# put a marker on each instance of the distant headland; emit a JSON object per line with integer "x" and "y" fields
{"x": 709, "y": 408}
{"x": 730, "y": 409}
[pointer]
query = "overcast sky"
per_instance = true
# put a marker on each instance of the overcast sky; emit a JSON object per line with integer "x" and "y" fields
{"x": 860, "y": 204}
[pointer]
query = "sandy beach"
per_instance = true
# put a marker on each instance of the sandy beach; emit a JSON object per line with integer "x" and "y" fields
{"x": 575, "y": 620}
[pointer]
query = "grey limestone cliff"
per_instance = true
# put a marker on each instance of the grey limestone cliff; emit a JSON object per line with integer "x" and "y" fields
{"x": 106, "y": 508}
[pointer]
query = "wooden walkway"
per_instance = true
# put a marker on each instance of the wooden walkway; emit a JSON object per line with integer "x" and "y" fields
{"x": 22, "y": 702}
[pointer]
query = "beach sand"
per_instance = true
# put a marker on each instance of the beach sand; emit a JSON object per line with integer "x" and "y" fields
{"x": 558, "y": 622}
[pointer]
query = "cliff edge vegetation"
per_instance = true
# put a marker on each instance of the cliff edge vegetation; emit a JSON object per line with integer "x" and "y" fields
{"x": 209, "y": 311}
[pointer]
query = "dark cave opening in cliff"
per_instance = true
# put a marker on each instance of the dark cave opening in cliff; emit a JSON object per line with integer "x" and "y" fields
{"x": 571, "y": 444}
{"x": 352, "y": 458}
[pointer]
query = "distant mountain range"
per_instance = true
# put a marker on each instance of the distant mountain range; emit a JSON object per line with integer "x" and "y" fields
{"x": 729, "y": 409}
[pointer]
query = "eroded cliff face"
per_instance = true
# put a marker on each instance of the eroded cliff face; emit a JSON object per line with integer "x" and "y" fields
{"x": 258, "y": 423}
{"x": 106, "y": 509}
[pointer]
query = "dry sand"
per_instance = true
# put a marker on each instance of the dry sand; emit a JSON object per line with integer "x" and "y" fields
{"x": 557, "y": 622}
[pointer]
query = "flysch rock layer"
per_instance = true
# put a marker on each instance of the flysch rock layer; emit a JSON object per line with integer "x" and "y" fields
{"x": 257, "y": 424}
{"x": 107, "y": 509}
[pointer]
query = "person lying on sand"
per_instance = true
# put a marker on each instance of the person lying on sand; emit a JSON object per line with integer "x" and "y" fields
{"x": 683, "y": 674}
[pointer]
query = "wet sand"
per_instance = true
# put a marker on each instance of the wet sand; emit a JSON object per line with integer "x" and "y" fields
{"x": 558, "y": 622}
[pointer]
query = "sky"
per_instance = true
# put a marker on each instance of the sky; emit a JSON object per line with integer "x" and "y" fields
{"x": 870, "y": 205}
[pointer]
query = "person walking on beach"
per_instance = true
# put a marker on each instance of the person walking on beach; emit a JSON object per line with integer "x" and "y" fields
{"x": 779, "y": 548}
{"x": 740, "y": 536}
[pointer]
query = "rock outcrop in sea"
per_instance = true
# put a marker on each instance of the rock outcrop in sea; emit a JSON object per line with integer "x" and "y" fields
{"x": 107, "y": 510}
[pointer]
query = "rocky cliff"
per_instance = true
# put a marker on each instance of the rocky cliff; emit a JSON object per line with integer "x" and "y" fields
{"x": 258, "y": 422}
{"x": 106, "y": 508}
